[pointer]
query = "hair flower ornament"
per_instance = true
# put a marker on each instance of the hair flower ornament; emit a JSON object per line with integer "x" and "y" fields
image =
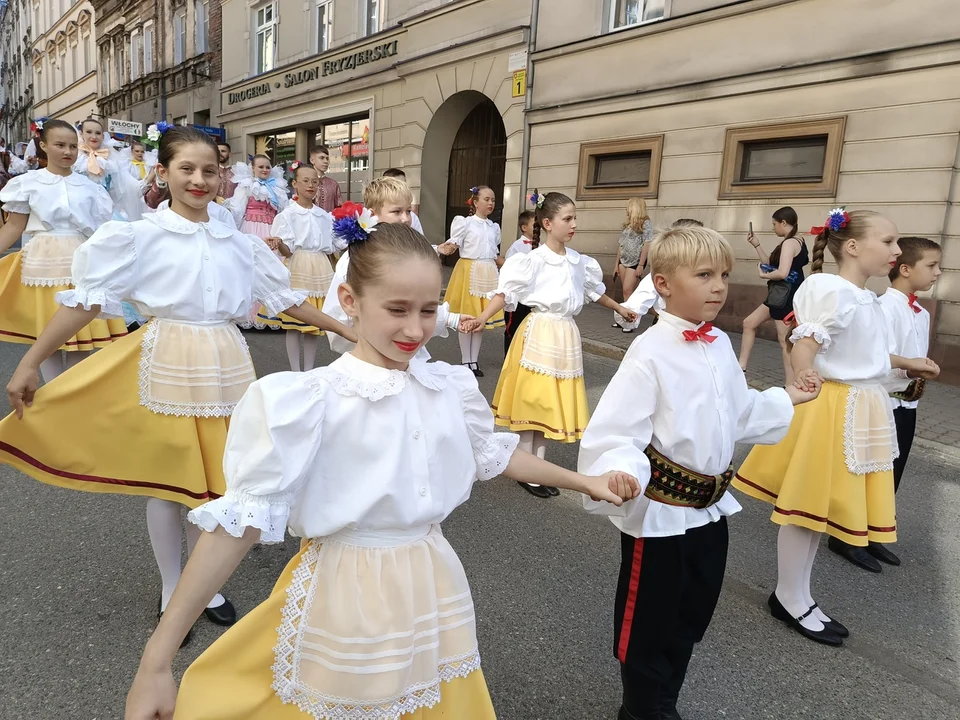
{"x": 352, "y": 222}
{"x": 837, "y": 219}
{"x": 295, "y": 165}
{"x": 536, "y": 199}
{"x": 37, "y": 125}
{"x": 155, "y": 132}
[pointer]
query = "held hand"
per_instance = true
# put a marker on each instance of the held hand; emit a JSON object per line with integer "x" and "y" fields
{"x": 627, "y": 314}
{"x": 465, "y": 321}
{"x": 808, "y": 381}
{"x": 922, "y": 368}
{"x": 446, "y": 248}
{"x": 272, "y": 242}
{"x": 153, "y": 695}
{"x": 470, "y": 325}
{"x": 798, "y": 396}
{"x": 21, "y": 389}
{"x": 613, "y": 487}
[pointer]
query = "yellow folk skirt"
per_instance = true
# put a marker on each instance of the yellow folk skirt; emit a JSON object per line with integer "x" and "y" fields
{"x": 527, "y": 400}
{"x": 25, "y": 311}
{"x": 87, "y": 431}
{"x": 285, "y": 322}
{"x": 311, "y": 272}
{"x": 805, "y": 477}
{"x": 232, "y": 679}
{"x": 466, "y": 291}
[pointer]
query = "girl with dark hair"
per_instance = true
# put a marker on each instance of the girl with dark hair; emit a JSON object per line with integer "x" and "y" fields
{"x": 149, "y": 415}
{"x": 785, "y": 265}
{"x": 99, "y": 159}
{"x": 260, "y": 194}
{"x": 59, "y": 209}
{"x": 541, "y": 393}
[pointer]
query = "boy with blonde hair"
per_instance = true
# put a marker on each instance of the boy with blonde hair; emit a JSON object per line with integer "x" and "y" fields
{"x": 671, "y": 417}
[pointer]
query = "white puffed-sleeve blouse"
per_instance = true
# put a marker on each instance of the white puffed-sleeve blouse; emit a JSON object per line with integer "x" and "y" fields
{"x": 354, "y": 446}
{"x": 549, "y": 282}
{"x": 169, "y": 267}
{"x": 301, "y": 228}
{"x": 478, "y": 239}
{"x": 70, "y": 203}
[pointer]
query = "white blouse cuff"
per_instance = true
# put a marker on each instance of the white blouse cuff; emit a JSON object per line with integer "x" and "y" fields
{"x": 110, "y": 305}
{"x": 236, "y": 512}
{"x": 493, "y": 454}
{"x": 596, "y": 293}
{"x": 15, "y": 206}
{"x": 814, "y": 330}
{"x": 277, "y": 302}
{"x": 510, "y": 299}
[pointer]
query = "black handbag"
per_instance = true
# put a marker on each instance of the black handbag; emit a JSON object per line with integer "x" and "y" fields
{"x": 779, "y": 295}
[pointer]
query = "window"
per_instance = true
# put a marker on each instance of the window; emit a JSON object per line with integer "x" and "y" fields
{"x": 202, "y": 21}
{"x": 634, "y": 12}
{"x": 349, "y": 144}
{"x": 62, "y": 63}
{"x": 374, "y": 13}
{"x": 148, "y": 48}
{"x": 324, "y": 25}
{"x": 179, "y": 37}
{"x": 620, "y": 169}
{"x": 799, "y": 159}
{"x": 106, "y": 71}
{"x": 119, "y": 57}
{"x": 265, "y": 37}
{"x": 41, "y": 80}
{"x": 182, "y": 120}
{"x": 78, "y": 72}
{"x": 87, "y": 53}
{"x": 135, "y": 43}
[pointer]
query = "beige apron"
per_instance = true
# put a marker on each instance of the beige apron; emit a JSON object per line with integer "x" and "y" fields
{"x": 47, "y": 258}
{"x": 311, "y": 272}
{"x": 552, "y": 346}
{"x": 869, "y": 437}
{"x": 484, "y": 278}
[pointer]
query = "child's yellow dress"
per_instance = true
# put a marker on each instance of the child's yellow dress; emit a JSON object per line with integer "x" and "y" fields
{"x": 474, "y": 276}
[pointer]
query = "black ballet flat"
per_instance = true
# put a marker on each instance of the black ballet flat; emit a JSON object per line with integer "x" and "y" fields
{"x": 855, "y": 555}
{"x": 552, "y": 490}
{"x": 824, "y": 637}
{"x": 186, "y": 638}
{"x": 833, "y": 625}
{"x": 883, "y": 553}
{"x": 224, "y": 614}
{"x": 476, "y": 370}
{"x": 537, "y": 490}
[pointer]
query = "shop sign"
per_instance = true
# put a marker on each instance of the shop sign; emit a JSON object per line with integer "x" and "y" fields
{"x": 216, "y": 132}
{"x": 248, "y": 93}
{"x": 124, "y": 127}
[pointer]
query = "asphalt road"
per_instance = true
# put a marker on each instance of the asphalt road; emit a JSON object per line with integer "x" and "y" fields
{"x": 78, "y": 593}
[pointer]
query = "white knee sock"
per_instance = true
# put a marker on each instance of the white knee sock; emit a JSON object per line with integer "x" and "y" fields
{"x": 539, "y": 445}
{"x": 75, "y": 358}
{"x": 193, "y": 534}
{"x": 165, "y": 529}
{"x": 52, "y": 367}
{"x": 293, "y": 349}
{"x": 475, "y": 340}
{"x": 527, "y": 444}
{"x": 464, "y": 339}
{"x": 807, "y": 572}
{"x": 793, "y": 551}
{"x": 310, "y": 351}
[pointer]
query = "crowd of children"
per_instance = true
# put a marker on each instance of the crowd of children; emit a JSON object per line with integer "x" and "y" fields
{"x": 373, "y": 617}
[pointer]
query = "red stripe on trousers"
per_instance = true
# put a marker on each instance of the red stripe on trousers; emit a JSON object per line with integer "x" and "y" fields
{"x": 631, "y": 605}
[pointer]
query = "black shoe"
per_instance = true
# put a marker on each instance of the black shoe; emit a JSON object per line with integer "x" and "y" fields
{"x": 833, "y": 625}
{"x": 186, "y": 638}
{"x": 856, "y": 555}
{"x": 474, "y": 368}
{"x": 653, "y": 715}
{"x": 551, "y": 490}
{"x": 224, "y": 614}
{"x": 539, "y": 490}
{"x": 882, "y": 553}
{"x": 826, "y": 637}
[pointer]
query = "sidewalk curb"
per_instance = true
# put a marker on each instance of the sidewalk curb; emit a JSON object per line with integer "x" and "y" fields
{"x": 612, "y": 352}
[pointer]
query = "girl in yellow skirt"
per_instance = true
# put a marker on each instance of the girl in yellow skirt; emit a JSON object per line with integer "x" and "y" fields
{"x": 303, "y": 233}
{"x": 364, "y": 458}
{"x": 59, "y": 209}
{"x": 541, "y": 393}
{"x": 833, "y": 471}
{"x": 475, "y": 274}
{"x": 149, "y": 414}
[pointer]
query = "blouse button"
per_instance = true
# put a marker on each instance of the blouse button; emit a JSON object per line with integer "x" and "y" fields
{"x": 206, "y": 257}
{"x": 416, "y": 435}
{"x": 209, "y": 289}
{"x": 423, "y": 492}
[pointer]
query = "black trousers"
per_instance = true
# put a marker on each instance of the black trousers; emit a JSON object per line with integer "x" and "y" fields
{"x": 513, "y": 320}
{"x": 906, "y": 422}
{"x": 666, "y": 595}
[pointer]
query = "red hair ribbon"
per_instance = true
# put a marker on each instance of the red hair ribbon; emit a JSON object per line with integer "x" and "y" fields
{"x": 470, "y": 202}
{"x": 790, "y": 319}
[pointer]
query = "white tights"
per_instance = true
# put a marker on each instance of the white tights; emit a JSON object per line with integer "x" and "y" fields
{"x": 470, "y": 346}
{"x": 296, "y": 341}
{"x": 534, "y": 443}
{"x": 55, "y": 365}
{"x": 166, "y": 536}
{"x": 796, "y": 550}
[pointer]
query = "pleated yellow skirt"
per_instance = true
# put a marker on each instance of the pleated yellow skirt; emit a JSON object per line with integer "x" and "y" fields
{"x": 285, "y": 322}
{"x": 232, "y": 679}
{"x": 462, "y": 301}
{"x": 805, "y": 477}
{"x": 527, "y": 400}
{"x": 25, "y": 311}
{"x": 87, "y": 431}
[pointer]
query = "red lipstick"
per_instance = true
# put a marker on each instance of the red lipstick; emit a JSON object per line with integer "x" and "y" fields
{"x": 411, "y": 347}
{"x": 197, "y": 193}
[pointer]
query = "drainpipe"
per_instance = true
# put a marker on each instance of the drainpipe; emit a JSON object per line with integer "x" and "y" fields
{"x": 528, "y": 101}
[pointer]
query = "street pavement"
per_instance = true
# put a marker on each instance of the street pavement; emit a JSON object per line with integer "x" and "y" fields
{"x": 79, "y": 588}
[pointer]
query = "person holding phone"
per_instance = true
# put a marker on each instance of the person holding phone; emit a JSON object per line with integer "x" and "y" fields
{"x": 783, "y": 271}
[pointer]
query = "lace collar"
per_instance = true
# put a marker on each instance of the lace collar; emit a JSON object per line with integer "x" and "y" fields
{"x": 351, "y": 377}
{"x": 863, "y": 296}
{"x": 483, "y": 221}
{"x": 172, "y": 222}
{"x": 552, "y": 258}
{"x": 46, "y": 177}
{"x": 297, "y": 209}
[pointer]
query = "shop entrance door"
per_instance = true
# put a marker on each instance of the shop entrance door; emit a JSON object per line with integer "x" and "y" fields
{"x": 478, "y": 157}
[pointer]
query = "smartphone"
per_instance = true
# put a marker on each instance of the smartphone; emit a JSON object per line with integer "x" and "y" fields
{"x": 751, "y": 228}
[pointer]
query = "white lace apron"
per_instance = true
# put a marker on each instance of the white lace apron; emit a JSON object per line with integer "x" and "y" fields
{"x": 551, "y": 346}
{"x": 47, "y": 257}
{"x": 869, "y": 435}
{"x": 311, "y": 272}
{"x": 373, "y": 624}
{"x": 484, "y": 278}
{"x": 193, "y": 369}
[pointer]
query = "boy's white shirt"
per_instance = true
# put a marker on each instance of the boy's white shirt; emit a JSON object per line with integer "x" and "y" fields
{"x": 909, "y": 330}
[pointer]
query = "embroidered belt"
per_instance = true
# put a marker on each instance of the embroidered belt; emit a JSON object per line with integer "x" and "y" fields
{"x": 674, "y": 484}
{"x": 913, "y": 392}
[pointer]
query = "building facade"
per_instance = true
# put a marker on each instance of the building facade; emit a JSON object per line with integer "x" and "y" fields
{"x": 422, "y": 86}
{"x": 725, "y": 111}
{"x": 16, "y": 70}
{"x": 64, "y": 65}
{"x": 159, "y": 60}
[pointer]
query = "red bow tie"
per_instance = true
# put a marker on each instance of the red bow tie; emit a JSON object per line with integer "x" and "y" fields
{"x": 528, "y": 242}
{"x": 699, "y": 334}
{"x": 912, "y": 302}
